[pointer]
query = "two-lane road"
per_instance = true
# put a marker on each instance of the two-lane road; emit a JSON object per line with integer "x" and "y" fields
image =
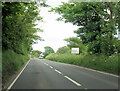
{"x": 44, "y": 74}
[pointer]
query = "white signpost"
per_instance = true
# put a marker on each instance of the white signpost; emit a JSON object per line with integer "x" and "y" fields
{"x": 118, "y": 35}
{"x": 75, "y": 50}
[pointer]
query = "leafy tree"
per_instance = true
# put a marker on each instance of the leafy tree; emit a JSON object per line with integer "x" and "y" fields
{"x": 18, "y": 26}
{"x": 64, "y": 50}
{"x": 48, "y": 50}
{"x": 76, "y": 42}
{"x": 36, "y": 53}
{"x": 96, "y": 20}
{"x": 18, "y": 35}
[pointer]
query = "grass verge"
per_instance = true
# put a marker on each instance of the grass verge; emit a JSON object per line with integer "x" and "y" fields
{"x": 11, "y": 62}
{"x": 97, "y": 62}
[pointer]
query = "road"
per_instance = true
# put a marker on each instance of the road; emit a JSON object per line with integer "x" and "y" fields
{"x": 44, "y": 74}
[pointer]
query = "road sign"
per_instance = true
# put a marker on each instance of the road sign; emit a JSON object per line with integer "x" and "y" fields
{"x": 75, "y": 50}
{"x": 118, "y": 35}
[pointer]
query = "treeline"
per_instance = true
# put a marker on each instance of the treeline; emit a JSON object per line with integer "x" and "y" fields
{"x": 96, "y": 36}
{"x": 18, "y": 34}
{"x": 98, "y": 24}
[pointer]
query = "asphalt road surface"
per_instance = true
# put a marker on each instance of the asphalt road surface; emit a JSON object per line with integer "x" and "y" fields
{"x": 44, "y": 74}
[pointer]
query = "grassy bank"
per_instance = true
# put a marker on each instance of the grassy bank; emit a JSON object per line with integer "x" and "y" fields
{"x": 98, "y": 62}
{"x": 0, "y": 65}
{"x": 11, "y": 62}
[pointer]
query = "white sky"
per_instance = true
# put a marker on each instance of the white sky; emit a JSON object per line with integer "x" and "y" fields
{"x": 54, "y": 31}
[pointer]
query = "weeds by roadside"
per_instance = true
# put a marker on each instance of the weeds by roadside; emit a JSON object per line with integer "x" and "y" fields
{"x": 98, "y": 62}
{"x": 11, "y": 63}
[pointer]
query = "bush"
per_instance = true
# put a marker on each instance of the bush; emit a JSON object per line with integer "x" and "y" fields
{"x": 98, "y": 62}
{"x": 11, "y": 63}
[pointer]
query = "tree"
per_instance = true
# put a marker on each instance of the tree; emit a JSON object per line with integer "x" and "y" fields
{"x": 76, "y": 42}
{"x": 96, "y": 20}
{"x": 18, "y": 26}
{"x": 18, "y": 35}
{"x": 48, "y": 50}
{"x": 64, "y": 50}
{"x": 36, "y": 53}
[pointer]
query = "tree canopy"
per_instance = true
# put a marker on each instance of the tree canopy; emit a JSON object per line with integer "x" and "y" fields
{"x": 48, "y": 50}
{"x": 75, "y": 42}
{"x": 18, "y": 25}
{"x": 98, "y": 23}
{"x": 36, "y": 53}
{"x": 64, "y": 50}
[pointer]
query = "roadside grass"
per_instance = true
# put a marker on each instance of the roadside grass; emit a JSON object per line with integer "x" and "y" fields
{"x": 97, "y": 62}
{"x": 11, "y": 62}
{"x": 0, "y": 64}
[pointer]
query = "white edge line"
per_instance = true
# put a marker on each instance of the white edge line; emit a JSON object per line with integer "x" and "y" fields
{"x": 101, "y": 72}
{"x": 58, "y": 71}
{"x": 18, "y": 76}
{"x": 73, "y": 81}
{"x": 94, "y": 70}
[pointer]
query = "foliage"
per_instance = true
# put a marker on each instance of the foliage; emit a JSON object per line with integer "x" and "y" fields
{"x": 96, "y": 20}
{"x": 18, "y": 26}
{"x": 98, "y": 62}
{"x": 48, "y": 50}
{"x": 76, "y": 42}
{"x": 11, "y": 63}
{"x": 63, "y": 50}
{"x": 36, "y": 53}
{"x": 18, "y": 35}
{"x": 106, "y": 43}
{"x": 98, "y": 24}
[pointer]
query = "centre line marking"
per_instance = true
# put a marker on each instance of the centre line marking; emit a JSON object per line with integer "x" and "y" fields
{"x": 51, "y": 67}
{"x": 73, "y": 81}
{"x": 58, "y": 71}
{"x": 46, "y": 64}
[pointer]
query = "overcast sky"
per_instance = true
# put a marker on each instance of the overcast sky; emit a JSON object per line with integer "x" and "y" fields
{"x": 54, "y": 31}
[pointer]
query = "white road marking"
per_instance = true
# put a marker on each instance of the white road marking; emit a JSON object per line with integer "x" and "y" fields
{"x": 58, "y": 71}
{"x": 101, "y": 72}
{"x": 17, "y": 76}
{"x": 45, "y": 63}
{"x": 73, "y": 81}
{"x": 51, "y": 67}
{"x": 92, "y": 70}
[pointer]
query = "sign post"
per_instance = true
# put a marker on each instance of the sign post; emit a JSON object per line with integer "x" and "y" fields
{"x": 75, "y": 50}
